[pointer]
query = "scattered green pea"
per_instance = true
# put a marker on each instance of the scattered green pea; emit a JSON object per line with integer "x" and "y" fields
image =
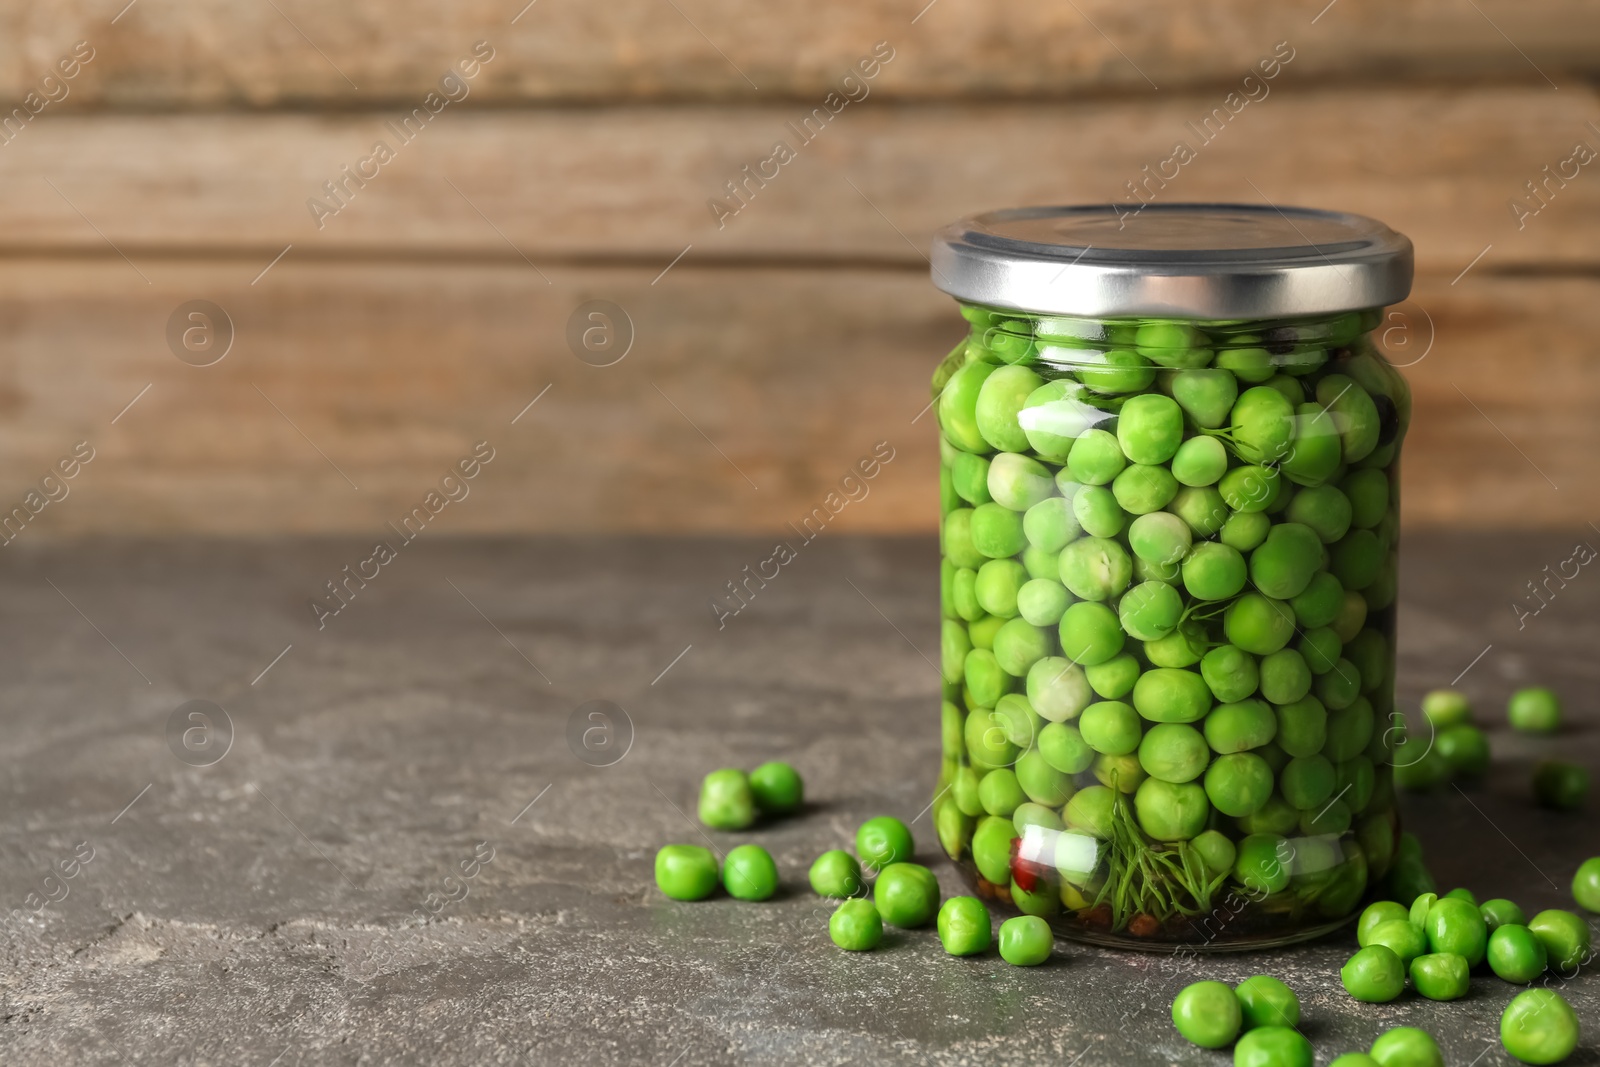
{"x": 1407, "y": 1046}
{"x": 1456, "y": 925}
{"x": 726, "y": 800}
{"x": 1586, "y": 884}
{"x": 776, "y": 788}
{"x": 1273, "y": 1046}
{"x": 1441, "y": 975}
{"x": 964, "y": 928}
{"x": 1375, "y": 974}
{"x": 749, "y": 873}
{"x": 1446, "y": 707}
{"x": 1501, "y": 912}
{"x": 1407, "y": 940}
{"x": 1267, "y": 1001}
{"x": 1376, "y": 914}
{"x": 1539, "y": 1027}
{"x": 1534, "y": 710}
{"x": 1025, "y": 941}
{"x": 1207, "y": 1014}
{"x": 1565, "y": 937}
{"x": 907, "y": 894}
{"x": 882, "y": 841}
{"x": 856, "y": 926}
{"x": 1515, "y": 954}
{"x": 836, "y": 873}
{"x": 1464, "y": 749}
{"x": 686, "y": 872}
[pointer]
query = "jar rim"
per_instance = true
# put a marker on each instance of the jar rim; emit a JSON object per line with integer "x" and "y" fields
{"x": 1180, "y": 260}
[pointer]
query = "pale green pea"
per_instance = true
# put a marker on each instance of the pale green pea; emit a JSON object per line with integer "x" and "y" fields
{"x": 1050, "y": 524}
{"x": 1019, "y": 482}
{"x": 1042, "y": 601}
{"x": 1000, "y": 398}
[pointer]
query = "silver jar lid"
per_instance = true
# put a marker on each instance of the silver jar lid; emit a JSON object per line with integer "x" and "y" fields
{"x": 1202, "y": 261}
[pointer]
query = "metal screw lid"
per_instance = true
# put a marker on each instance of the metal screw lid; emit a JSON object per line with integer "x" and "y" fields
{"x": 1200, "y": 261}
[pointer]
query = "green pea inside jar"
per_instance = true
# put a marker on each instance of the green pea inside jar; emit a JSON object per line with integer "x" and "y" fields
{"x": 1169, "y": 488}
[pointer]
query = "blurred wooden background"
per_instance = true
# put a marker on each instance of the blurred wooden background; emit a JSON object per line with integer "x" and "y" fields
{"x": 433, "y": 307}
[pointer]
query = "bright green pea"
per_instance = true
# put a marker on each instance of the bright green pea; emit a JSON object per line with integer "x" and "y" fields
{"x": 1042, "y": 601}
{"x": 1119, "y": 370}
{"x": 748, "y": 873}
{"x": 1515, "y": 954}
{"x": 726, "y": 802}
{"x": 1096, "y": 458}
{"x": 1267, "y": 1001}
{"x": 969, "y": 473}
{"x": 1173, "y": 752}
{"x": 907, "y": 894}
{"x": 1173, "y": 344}
{"x": 1095, "y": 568}
{"x": 1165, "y": 694}
{"x": 1258, "y": 624}
{"x": 1216, "y": 849}
{"x": 1245, "y": 530}
{"x": 1502, "y": 912}
{"x": 1376, "y": 914}
{"x": 883, "y": 840}
{"x": 1203, "y": 508}
{"x": 1199, "y": 461}
{"x": 1110, "y": 727}
{"x": 1456, "y": 925}
{"x": 1096, "y": 509}
{"x": 1539, "y": 1026}
{"x": 996, "y": 532}
{"x": 856, "y": 926}
{"x": 686, "y": 872}
{"x": 1150, "y": 610}
{"x": 1150, "y": 428}
{"x": 999, "y": 792}
{"x": 1260, "y": 866}
{"x": 1318, "y": 605}
{"x": 1320, "y": 648}
{"x": 1213, "y": 571}
{"x": 1062, "y": 746}
{"x": 1090, "y": 811}
{"x": 1000, "y": 398}
{"x": 1042, "y": 564}
{"x": 1586, "y": 884}
{"x": 1159, "y": 537}
{"x": 1019, "y": 645}
{"x": 1029, "y": 814}
{"x": 1402, "y": 936}
{"x": 1053, "y": 416}
{"x": 982, "y": 630}
{"x": 1025, "y": 941}
{"x": 958, "y": 407}
{"x": 1565, "y": 937}
{"x": 1465, "y": 749}
{"x": 1050, "y": 524}
{"x": 1323, "y": 509}
{"x": 1534, "y": 709}
{"x": 1313, "y": 456}
{"x": 1019, "y": 482}
{"x": 1207, "y": 1014}
{"x": 1090, "y": 633}
{"x": 1057, "y": 688}
{"x": 836, "y": 873}
{"x": 1240, "y": 726}
{"x": 1407, "y": 1046}
{"x": 985, "y": 678}
{"x": 991, "y": 848}
{"x": 1273, "y": 1046}
{"x": 1171, "y": 811}
{"x": 1251, "y": 487}
{"x": 955, "y": 539}
{"x": 1230, "y": 672}
{"x": 1042, "y": 783}
{"x": 1261, "y": 425}
{"x": 1182, "y": 647}
{"x": 1114, "y": 678}
{"x": 777, "y": 788}
{"x": 964, "y": 790}
{"x": 1353, "y": 412}
{"x": 1207, "y": 396}
{"x": 1247, "y": 364}
{"x": 964, "y": 928}
{"x": 1355, "y": 779}
{"x": 1284, "y": 564}
{"x": 1122, "y": 773}
{"x": 1560, "y": 785}
{"x": 1446, "y": 707}
{"x": 1142, "y": 488}
{"x": 1238, "y": 784}
{"x": 996, "y": 584}
{"x": 1145, "y": 571}
{"x": 1375, "y": 974}
{"x": 1302, "y": 725}
{"x": 1285, "y": 679}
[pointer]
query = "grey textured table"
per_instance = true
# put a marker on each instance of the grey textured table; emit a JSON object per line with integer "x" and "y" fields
{"x": 290, "y": 902}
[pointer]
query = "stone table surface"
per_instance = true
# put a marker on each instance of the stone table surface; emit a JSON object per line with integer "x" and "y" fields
{"x": 305, "y": 897}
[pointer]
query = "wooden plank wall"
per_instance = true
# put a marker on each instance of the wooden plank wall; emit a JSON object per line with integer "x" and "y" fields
{"x": 425, "y": 307}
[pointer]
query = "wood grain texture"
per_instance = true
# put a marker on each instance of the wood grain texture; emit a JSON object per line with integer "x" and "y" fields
{"x": 637, "y": 183}
{"x": 164, "y": 54}
{"x": 746, "y": 396}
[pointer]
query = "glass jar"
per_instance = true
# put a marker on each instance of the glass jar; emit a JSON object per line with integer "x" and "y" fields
{"x": 1169, "y": 495}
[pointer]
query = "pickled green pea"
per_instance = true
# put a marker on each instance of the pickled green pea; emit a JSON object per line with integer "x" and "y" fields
{"x": 1141, "y": 488}
{"x": 1357, "y": 558}
{"x": 1369, "y": 652}
{"x": 1247, "y": 364}
{"x": 1284, "y": 564}
{"x": 1465, "y": 749}
{"x": 1110, "y": 727}
{"x": 1307, "y": 781}
{"x": 856, "y": 926}
{"x": 1173, "y": 344}
{"x": 1273, "y": 1046}
{"x": 985, "y": 678}
{"x": 1207, "y": 396}
{"x": 1000, "y": 398}
{"x": 958, "y": 407}
{"x": 1285, "y": 679}
{"x": 1407, "y": 1046}
{"x": 1314, "y": 454}
{"x": 1050, "y": 524}
{"x": 1339, "y": 687}
{"x": 1183, "y": 647}
{"x": 1053, "y": 416}
{"x": 1062, "y": 746}
{"x": 1207, "y": 1014}
{"x": 1019, "y": 482}
{"x": 1245, "y": 530}
{"x": 991, "y": 848}
{"x": 969, "y": 473}
{"x": 1515, "y": 954}
{"x": 1249, "y": 488}
{"x": 1097, "y": 511}
{"x": 1352, "y": 615}
{"x": 951, "y": 721}
{"x": 1166, "y": 694}
{"x": 1368, "y": 490}
{"x": 1324, "y": 509}
{"x": 996, "y": 584}
{"x": 955, "y": 539}
{"x": 964, "y": 928}
{"x": 1302, "y": 725}
{"x": 1258, "y": 624}
{"x": 1094, "y": 568}
{"x": 883, "y": 840}
{"x": 777, "y": 788}
{"x": 748, "y": 873}
{"x": 1090, "y": 811}
{"x": 1502, "y": 912}
{"x": 1402, "y": 936}
{"x": 1376, "y": 914}
{"x": 1374, "y": 975}
{"x": 1261, "y": 425}
{"x": 1539, "y": 1026}
{"x": 1230, "y": 672}
{"x": 1238, "y": 784}
{"x": 988, "y": 739}
{"x": 1216, "y": 849}
{"x": 1042, "y": 564}
{"x": 1565, "y": 937}
{"x": 1145, "y": 571}
{"x": 1121, "y": 773}
{"x": 1173, "y": 752}
{"x": 1240, "y": 726}
{"x": 949, "y": 499}
{"x": 1042, "y": 783}
{"x": 1260, "y": 866}
{"x": 1455, "y": 925}
{"x": 1159, "y": 537}
{"x": 1090, "y": 633}
{"x": 1586, "y": 884}
{"x": 1273, "y": 817}
{"x": 1042, "y": 601}
{"x": 686, "y": 872}
{"x": 1019, "y": 645}
{"x": 907, "y": 895}
{"x": 1559, "y": 785}
{"x": 1010, "y": 341}
{"x": 953, "y": 648}
{"x": 836, "y": 874}
{"x": 1150, "y": 610}
{"x": 964, "y": 791}
{"x": 964, "y": 594}
{"x": 1199, "y": 461}
{"x": 1355, "y": 779}
{"x": 996, "y": 532}
{"x": 1113, "y": 679}
{"x": 1267, "y": 1001}
{"x": 1320, "y": 602}
{"x": 1203, "y": 509}
{"x": 1120, "y": 370}
{"x": 982, "y": 630}
{"x": 999, "y": 792}
{"x": 1150, "y": 428}
{"x": 1534, "y": 710}
{"x": 1213, "y": 571}
{"x": 726, "y": 802}
{"x": 1030, "y": 813}
{"x": 1170, "y": 811}
{"x": 1057, "y": 688}
{"x": 1096, "y": 458}
{"x": 1025, "y": 941}
{"x": 1353, "y": 413}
